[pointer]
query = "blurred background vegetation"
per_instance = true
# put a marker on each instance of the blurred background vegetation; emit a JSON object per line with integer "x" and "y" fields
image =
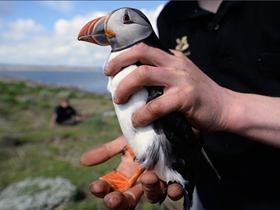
{"x": 30, "y": 148}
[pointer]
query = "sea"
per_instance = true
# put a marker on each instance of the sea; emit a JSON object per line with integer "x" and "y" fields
{"x": 91, "y": 81}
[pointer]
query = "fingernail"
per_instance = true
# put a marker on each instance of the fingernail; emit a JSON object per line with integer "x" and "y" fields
{"x": 105, "y": 68}
{"x": 115, "y": 98}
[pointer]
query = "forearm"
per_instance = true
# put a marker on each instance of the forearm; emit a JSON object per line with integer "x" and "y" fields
{"x": 254, "y": 116}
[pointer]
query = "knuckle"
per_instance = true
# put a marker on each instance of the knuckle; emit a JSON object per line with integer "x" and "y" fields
{"x": 154, "y": 108}
{"x": 143, "y": 72}
{"x": 140, "y": 47}
{"x": 178, "y": 54}
{"x": 183, "y": 66}
{"x": 181, "y": 54}
{"x": 139, "y": 118}
{"x": 141, "y": 51}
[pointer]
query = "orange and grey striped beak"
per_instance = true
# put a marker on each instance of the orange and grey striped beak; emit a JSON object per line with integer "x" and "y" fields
{"x": 95, "y": 32}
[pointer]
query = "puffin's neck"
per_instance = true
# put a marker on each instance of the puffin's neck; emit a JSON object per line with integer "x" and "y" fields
{"x": 152, "y": 40}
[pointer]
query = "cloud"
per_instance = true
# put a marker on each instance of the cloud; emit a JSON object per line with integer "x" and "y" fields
{"x": 26, "y": 42}
{"x": 17, "y": 40}
{"x": 20, "y": 29}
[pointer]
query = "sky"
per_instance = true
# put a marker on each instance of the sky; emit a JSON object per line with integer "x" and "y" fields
{"x": 45, "y": 32}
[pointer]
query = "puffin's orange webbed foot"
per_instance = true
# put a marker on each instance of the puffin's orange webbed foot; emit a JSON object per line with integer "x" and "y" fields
{"x": 119, "y": 181}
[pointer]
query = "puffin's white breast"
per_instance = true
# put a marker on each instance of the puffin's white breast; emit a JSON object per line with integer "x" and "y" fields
{"x": 141, "y": 138}
{"x": 138, "y": 138}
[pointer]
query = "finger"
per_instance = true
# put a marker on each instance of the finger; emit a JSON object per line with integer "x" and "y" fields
{"x": 127, "y": 200}
{"x": 102, "y": 153}
{"x": 175, "y": 191}
{"x": 159, "y": 107}
{"x": 141, "y": 77}
{"x": 100, "y": 188}
{"x": 152, "y": 186}
{"x": 151, "y": 56}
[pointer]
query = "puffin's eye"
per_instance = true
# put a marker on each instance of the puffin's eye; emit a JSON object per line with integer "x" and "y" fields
{"x": 126, "y": 18}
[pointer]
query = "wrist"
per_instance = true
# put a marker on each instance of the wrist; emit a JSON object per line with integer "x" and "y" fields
{"x": 231, "y": 111}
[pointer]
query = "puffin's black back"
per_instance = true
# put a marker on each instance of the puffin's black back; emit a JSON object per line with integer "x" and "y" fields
{"x": 177, "y": 130}
{"x": 184, "y": 154}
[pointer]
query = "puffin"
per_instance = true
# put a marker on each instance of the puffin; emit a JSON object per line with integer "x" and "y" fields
{"x": 168, "y": 145}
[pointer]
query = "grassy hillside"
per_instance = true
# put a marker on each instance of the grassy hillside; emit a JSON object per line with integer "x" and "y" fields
{"x": 30, "y": 148}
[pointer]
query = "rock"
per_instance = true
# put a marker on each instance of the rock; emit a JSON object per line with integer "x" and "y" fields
{"x": 37, "y": 194}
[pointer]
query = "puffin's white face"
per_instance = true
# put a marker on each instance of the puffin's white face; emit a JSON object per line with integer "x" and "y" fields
{"x": 129, "y": 26}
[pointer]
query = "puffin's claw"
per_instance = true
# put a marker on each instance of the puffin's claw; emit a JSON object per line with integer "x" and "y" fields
{"x": 118, "y": 181}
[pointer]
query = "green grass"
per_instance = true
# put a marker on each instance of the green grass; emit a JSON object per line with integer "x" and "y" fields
{"x": 30, "y": 148}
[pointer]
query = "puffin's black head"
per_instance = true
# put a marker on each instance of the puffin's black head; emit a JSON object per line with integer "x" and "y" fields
{"x": 121, "y": 29}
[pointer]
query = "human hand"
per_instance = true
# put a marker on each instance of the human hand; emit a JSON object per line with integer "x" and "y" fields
{"x": 186, "y": 88}
{"x": 149, "y": 183}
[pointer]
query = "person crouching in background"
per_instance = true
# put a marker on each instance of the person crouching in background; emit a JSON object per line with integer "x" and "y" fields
{"x": 65, "y": 114}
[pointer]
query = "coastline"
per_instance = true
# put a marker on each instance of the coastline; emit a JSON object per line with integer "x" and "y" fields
{"x": 11, "y": 79}
{"x": 82, "y": 78}
{"x": 13, "y": 67}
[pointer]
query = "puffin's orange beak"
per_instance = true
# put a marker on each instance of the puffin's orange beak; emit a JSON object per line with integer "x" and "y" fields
{"x": 94, "y": 32}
